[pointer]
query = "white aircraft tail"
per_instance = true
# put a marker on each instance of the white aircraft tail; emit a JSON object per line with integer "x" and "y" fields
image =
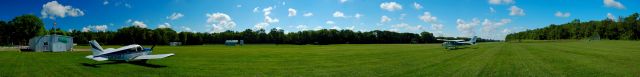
{"x": 473, "y": 40}
{"x": 95, "y": 47}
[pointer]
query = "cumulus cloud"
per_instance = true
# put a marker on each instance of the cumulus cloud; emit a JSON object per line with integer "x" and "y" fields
{"x": 53, "y": 9}
{"x": 358, "y": 15}
{"x": 497, "y": 2}
{"x": 467, "y": 28}
{"x": 516, "y": 11}
{"x": 391, "y": 6}
{"x": 267, "y": 10}
{"x": 342, "y": 1}
{"x": 255, "y": 9}
{"x": 301, "y": 27}
{"x": 561, "y": 14}
{"x": 307, "y": 14}
{"x": 338, "y": 14}
{"x": 318, "y": 28}
{"x": 336, "y": 27}
{"x": 139, "y": 24}
{"x": 186, "y": 29}
{"x": 330, "y": 22}
{"x": 220, "y": 22}
{"x": 350, "y": 28}
{"x": 261, "y": 25}
{"x": 101, "y": 28}
{"x": 437, "y": 27}
{"x": 426, "y": 17}
{"x": 614, "y": 4}
{"x": 406, "y": 27}
{"x": 490, "y": 26}
{"x": 86, "y": 29}
{"x": 175, "y": 16}
{"x": 105, "y": 2}
{"x": 268, "y": 19}
{"x": 384, "y": 19}
{"x": 417, "y": 6}
{"x": 164, "y": 25}
{"x": 610, "y": 16}
{"x": 292, "y": 12}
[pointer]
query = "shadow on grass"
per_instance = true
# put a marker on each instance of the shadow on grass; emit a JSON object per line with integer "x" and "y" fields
{"x": 139, "y": 63}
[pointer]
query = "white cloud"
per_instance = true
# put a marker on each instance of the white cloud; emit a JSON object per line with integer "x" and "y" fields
{"x": 336, "y": 27}
{"x": 342, "y": 1}
{"x": 127, "y": 5}
{"x": 350, "y": 28}
{"x": 129, "y": 21}
{"x": 238, "y": 6}
{"x": 338, "y": 14}
{"x": 330, "y": 22}
{"x": 318, "y": 28}
{"x": 267, "y": 10}
{"x": 437, "y": 26}
{"x": 384, "y": 19}
{"x": 139, "y": 24}
{"x": 488, "y": 26}
{"x": 610, "y": 16}
{"x": 407, "y": 27}
{"x": 175, "y": 16}
{"x": 467, "y": 28}
{"x": 268, "y": 19}
{"x": 292, "y": 12}
{"x": 358, "y": 15}
{"x": 516, "y": 11}
{"x": 391, "y": 6}
{"x": 105, "y": 2}
{"x": 220, "y": 22}
{"x": 426, "y": 17}
{"x": 563, "y": 15}
{"x": 164, "y": 25}
{"x": 255, "y": 9}
{"x": 613, "y": 3}
{"x": 86, "y": 29}
{"x": 506, "y": 31}
{"x": 261, "y": 26}
{"x": 302, "y": 27}
{"x": 492, "y": 10}
{"x": 417, "y": 6}
{"x": 186, "y": 29}
{"x": 307, "y": 14}
{"x": 101, "y": 28}
{"x": 497, "y": 2}
{"x": 53, "y": 9}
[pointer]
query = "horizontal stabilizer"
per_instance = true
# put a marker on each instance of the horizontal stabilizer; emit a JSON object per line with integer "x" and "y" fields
{"x": 158, "y": 56}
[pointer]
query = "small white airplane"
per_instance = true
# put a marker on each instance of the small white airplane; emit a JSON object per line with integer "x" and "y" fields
{"x": 127, "y": 53}
{"x": 453, "y": 44}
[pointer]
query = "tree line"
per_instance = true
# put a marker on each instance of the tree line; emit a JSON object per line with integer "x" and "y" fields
{"x": 22, "y": 28}
{"x": 625, "y": 28}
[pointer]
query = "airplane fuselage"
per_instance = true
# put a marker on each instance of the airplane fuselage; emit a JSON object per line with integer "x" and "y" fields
{"x": 126, "y": 55}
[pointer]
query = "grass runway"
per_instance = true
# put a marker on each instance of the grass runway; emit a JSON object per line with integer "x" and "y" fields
{"x": 538, "y": 58}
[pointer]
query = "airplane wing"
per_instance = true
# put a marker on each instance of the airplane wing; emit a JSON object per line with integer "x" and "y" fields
{"x": 158, "y": 56}
{"x": 111, "y": 50}
{"x": 453, "y": 40}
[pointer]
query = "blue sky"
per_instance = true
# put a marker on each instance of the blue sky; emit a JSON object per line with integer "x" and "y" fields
{"x": 484, "y": 18}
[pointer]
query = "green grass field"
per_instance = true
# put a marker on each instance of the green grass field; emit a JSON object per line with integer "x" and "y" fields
{"x": 540, "y": 58}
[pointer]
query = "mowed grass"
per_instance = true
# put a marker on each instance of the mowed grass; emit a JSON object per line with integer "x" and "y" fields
{"x": 541, "y": 59}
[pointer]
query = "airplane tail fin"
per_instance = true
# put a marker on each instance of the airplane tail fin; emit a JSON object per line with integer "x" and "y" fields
{"x": 95, "y": 47}
{"x": 473, "y": 40}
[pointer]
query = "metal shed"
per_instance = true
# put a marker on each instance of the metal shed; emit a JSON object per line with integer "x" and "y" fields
{"x": 51, "y": 43}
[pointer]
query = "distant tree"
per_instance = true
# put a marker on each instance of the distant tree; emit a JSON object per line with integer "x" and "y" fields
{"x": 25, "y": 27}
